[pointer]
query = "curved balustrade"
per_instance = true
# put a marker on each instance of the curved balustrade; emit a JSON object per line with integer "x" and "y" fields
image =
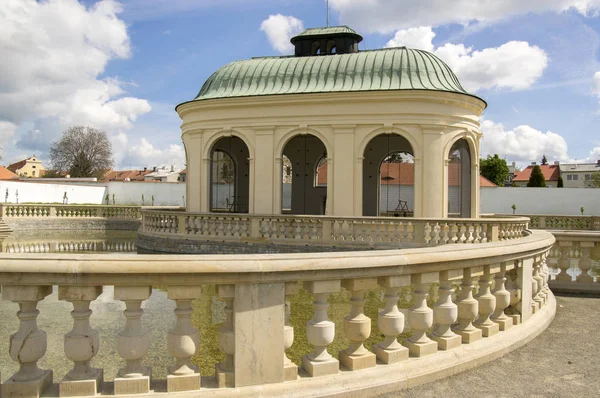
{"x": 586, "y": 223}
{"x": 350, "y": 231}
{"x": 68, "y": 211}
{"x": 69, "y": 246}
{"x": 502, "y": 285}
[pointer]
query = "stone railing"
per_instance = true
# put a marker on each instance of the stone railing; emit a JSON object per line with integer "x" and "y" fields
{"x": 503, "y": 302}
{"x": 575, "y": 259}
{"x": 68, "y": 246}
{"x": 68, "y": 211}
{"x": 585, "y": 223}
{"x": 366, "y": 231}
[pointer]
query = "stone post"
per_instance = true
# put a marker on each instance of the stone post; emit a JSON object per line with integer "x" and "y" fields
{"x": 391, "y": 321}
{"x": 133, "y": 342}
{"x": 28, "y": 344}
{"x": 183, "y": 341}
{"x": 358, "y": 326}
{"x": 536, "y": 286}
{"x": 502, "y": 300}
{"x": 320, "y": 331}
{"x": 487, "y": 305}
{"x": 585, "y": 264}
{"x": 445, "y": 313}
{"x": 82, "y": 343}
{"x": 420, "y": 317}
{"x": 224, "y": 371}
{"x": 468, "y": 308}
{"x": 290, "y": 369}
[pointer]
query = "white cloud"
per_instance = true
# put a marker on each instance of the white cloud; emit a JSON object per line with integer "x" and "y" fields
{"x": 7, "y": 131}
{"x": 387, "y": 16}
{"x": 523, "y": 143}
{"x": 145, "y": 154}
{"x": 280, "y": 29}
{"x": 596, "y": 85}
{"x": 54, "y": 53}
{"x": 514, "y": 65}
{"x": 420, "y": 38}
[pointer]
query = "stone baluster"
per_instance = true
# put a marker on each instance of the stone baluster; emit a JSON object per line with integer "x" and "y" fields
{"x": 183, "y": 341}
{"x": 512, "y": 285}
{"x": 546, "y": 290}
{"x": 391, "y": 321}
{"x": 487, "y": 305}
{"x": 290, "y": 369}
{"x": 133, "y": 342}
{"x": 445, "y": 313}
{"x": 225, "y": 371}
{"x": 320, "y": 331}
{"x": 536, "y": 286}
{"x": 502, "y": 300}
{"x": 420, "y": 317}
{"x": 468, "y": 309}
{"x": 28, "y": 344}
{"x": 563, "y": 262}
{"x": 81, "y": 343}
{"x": 357, "y": 326}
{"x": 584, "y": 263}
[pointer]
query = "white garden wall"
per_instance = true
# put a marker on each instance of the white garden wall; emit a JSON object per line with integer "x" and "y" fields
{"x": 42, "y": 192}
{"x": 559, "y": 201}
{"x": 130, "y": 193}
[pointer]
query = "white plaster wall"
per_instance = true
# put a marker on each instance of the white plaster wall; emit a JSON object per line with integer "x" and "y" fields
{"x": 130, "y": 193}
{"x": 40, "y": 192}
{"x": 559, "y": 201}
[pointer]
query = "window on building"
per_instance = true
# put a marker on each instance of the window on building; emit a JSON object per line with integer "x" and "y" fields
{"x": 33, "y": 167}
{"x": 575, "y": 177}
{"x": 569, "y": 177}
{"x": 588, "y": 177}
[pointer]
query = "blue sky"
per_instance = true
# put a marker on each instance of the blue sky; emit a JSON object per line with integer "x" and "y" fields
{"x": 124, "y": 66}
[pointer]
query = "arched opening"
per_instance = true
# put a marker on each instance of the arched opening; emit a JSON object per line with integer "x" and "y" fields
{"x": 316, "y": 48}
{"x": 388, "y": 177}
{"x": 321, "y": 172}
{"x": 286, "y": 188}
{"x": 307, "y": 196}
{"x": 459, "y": 180}
{"x": 331, "y": 47}
{"x": 229, "y": 176}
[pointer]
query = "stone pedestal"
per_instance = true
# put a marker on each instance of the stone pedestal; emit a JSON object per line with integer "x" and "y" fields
{"x": 420, "y": 317}
{"x": 391, "y": 321}
{"x": 445, "y": 313}
{"x": 82, "y": 388}
{"x": 224, "y": 371}
{"x": 502, "y": 300}
{"x": 487, "y": 305}
{"x": 33, "y": 388}
{"x": 467, "y": 311}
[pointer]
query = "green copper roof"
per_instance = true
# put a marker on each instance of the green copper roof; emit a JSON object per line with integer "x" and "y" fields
{"x": 332, "y": 30}
{"x": 378, "y": 70}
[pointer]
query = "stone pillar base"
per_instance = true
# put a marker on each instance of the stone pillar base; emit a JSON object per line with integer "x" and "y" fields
{"x": 183, "y": 383}
{"x": 390, "y": 356}
{"x": 489, "y": 330}
{"x": 225, "y": 378}
{"x": 31, "y": 389}
{"x": 420, "y": 349}
{"x": 133, "y": 385}
{"x": 81, "y": 388}
{"x": 469, "y": 336}
{"x": 504, "y": 324}
{"x": 447, "y": 343}
{"x": 516, "y": 319}
{"x": 322, "y": 368}
{"x": 290, "y": 372}
{"x": 357, "y": 362}
{"x": 535, "y": 307}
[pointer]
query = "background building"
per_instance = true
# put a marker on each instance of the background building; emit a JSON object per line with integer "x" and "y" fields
{"x": 575, "y": 175}
{"x": 551, "y": 173}
{"x": 31, "y": 167}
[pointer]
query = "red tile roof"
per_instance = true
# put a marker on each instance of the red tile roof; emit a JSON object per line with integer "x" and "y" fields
{"x": 16, "y": 166}
{"x": 125, "y": 175}
{"x": 551, "y": 172}
{"x": 6, "y": 174}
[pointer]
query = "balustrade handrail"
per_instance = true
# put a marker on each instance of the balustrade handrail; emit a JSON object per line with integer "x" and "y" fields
{"x": 86, "y": 269}
{"x": 24, "y": 210}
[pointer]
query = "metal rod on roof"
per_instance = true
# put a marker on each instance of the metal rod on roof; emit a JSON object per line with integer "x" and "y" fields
{"x": 327, "y": 13}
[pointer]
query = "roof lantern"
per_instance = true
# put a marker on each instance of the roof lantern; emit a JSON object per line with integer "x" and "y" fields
{"x": 326, "y": 41}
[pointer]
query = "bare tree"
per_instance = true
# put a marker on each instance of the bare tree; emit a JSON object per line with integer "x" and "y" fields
{"x": 82, "y": 152}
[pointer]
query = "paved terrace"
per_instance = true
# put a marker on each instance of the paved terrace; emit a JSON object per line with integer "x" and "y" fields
{"x": 561, "y": 362}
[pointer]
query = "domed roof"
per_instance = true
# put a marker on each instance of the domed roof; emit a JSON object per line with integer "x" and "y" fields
{"x": 372, "y": 70}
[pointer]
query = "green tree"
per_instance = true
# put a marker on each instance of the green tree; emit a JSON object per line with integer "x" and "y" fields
{"x": 544, "y": 160}
{"x": 82, "y": 152}
{"x": 494, "y": 169}
{"x": 537, "y": 177}
{"x": 560, "y": 183}
{"x": 594, "y": 182}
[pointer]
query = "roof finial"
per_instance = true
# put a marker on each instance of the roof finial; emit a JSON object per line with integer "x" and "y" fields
{"x": 327, "y": 13}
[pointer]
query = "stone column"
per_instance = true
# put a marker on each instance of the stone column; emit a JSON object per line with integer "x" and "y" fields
{"x": 224, "y": 371}
{"x": 290, "y": 369}
{"x": 133, "y": 342}
{"x": 28, "y": 344}
{"x": 445, "y": 313}
{"x": 82, "y": 343}
{"x": 502, "y": 300}
{"x": 468, "y": 308}
{"x": 320, "y": 331}
{"x": 183, "y": 341}
{"x": 433, "y": 177}
{"x": 420, "y": 317}
{"x": 263, "y": 170}
{"x": 358, "y": 326}
{"x": 343, "y": 193}
{"x": 391, "y": 321}
{"x": 487, "y": 305}
{"x": 585, "y": 264}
